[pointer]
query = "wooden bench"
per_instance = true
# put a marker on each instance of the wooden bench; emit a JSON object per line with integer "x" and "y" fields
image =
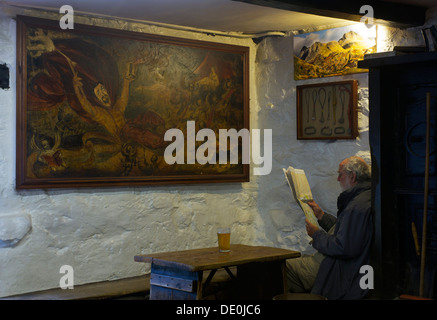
{"x": 134, "y": 288}
{"x": 129, "y": 287}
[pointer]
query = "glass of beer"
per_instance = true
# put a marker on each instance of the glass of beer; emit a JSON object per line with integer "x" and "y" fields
{"x": 224, "y": 239}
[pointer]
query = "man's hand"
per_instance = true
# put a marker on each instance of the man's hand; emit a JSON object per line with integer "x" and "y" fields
{"x": 310, "y": 228}
{"x": 318, "y": 212}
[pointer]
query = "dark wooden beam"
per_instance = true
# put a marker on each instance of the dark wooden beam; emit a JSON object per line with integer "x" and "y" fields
{"x": 386, "y": 13}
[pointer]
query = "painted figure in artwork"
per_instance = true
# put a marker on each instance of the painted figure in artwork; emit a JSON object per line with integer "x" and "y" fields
{"x": 77, "y": 72}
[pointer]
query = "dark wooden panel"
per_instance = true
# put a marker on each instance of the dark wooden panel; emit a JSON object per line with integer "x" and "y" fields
{"x": 398, "y": 87}
{"x": 392, "y": 14}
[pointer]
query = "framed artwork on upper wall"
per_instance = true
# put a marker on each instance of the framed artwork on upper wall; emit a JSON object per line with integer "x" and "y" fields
{"x": 94, "y": 105}
{"x": 332, "y": 52}
{"x": 327, "y": 111}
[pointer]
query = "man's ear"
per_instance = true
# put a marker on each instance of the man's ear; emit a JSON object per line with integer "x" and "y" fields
{"x": 353, "y": 177}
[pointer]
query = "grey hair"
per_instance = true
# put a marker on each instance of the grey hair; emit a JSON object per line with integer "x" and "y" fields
{"x": 358, "y": 166}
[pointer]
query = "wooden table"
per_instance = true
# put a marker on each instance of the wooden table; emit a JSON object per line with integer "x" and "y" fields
{"x": 178, "y": 275}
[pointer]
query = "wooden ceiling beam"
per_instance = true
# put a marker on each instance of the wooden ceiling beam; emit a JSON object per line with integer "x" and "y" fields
{"x": 386, "y": 13}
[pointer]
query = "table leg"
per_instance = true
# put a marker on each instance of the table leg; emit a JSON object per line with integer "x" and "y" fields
{"x": 210, "y": 276}
{"x": 199, "y": 285}
{"x": 284, "y": 277}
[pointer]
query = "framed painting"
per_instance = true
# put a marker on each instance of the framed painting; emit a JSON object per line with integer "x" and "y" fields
{"x": 332, "y": 52}
{"x": 95, "y": 106}
{"x": 327, "y": 111}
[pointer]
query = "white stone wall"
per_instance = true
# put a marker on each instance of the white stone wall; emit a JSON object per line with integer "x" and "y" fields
{"x": 98, "y": 232}
{"x": 277, "y": 99}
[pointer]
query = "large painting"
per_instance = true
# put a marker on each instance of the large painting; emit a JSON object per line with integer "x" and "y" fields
{"x": 332, "y": 52}
{"x": 94, "y": 106}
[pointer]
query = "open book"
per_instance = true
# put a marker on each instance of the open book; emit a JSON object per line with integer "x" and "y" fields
{"x": 301, "y": 191}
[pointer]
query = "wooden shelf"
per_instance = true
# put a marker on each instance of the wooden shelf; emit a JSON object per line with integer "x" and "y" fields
{"x": 407, "y": 191}
{"x": 421, "y": 57}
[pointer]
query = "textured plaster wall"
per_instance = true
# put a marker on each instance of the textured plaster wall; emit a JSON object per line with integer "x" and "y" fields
{"x": 99, "y": 231}
{"x": 277, "y": 99}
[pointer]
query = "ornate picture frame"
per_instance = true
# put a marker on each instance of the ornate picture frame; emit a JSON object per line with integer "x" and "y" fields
{"x": 327, "y": 111}
{"x": 94, "y": 104}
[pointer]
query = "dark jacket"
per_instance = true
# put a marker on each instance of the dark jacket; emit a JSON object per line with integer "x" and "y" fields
{"x": 348, "y": 249}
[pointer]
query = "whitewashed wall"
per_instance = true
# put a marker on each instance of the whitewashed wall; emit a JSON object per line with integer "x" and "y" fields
{"x": 98, "y": 233}
{"x": 319, "y": 159}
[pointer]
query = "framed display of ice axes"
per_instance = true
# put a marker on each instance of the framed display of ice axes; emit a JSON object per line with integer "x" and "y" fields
{"x": 327, "y": 111}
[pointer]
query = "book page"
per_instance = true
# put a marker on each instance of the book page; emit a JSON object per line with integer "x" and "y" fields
{"x": 301, "y": 191}
{"x": 300, "y": 182}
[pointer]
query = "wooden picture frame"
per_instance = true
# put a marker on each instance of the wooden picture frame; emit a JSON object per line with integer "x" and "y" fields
{"x": 327, "y": 111}
{"x": 94, "y": 104}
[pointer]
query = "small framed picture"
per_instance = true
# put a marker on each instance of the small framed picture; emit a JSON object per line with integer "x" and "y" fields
{"x": 327, "y": 111}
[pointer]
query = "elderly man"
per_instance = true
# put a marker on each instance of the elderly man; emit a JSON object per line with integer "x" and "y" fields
{"x": 342, "y": 243}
